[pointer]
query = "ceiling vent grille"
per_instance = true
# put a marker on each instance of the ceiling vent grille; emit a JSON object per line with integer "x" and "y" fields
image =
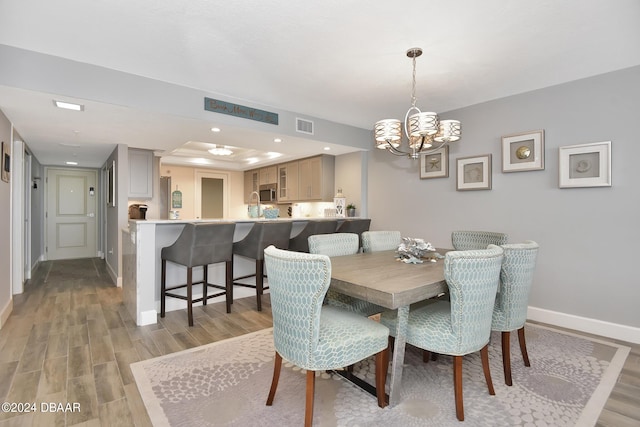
{"x": 304, "y": 126}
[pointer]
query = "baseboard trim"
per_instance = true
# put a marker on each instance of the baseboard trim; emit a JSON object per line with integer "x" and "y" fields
{"x": 585, "y": 324}
{"x": 114, "y": 276}
{"x": 148, "y": 317}
{"x": 6, "y": 312}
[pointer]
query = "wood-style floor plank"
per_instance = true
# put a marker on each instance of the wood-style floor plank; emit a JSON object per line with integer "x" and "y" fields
{"x": 70, "y": 339}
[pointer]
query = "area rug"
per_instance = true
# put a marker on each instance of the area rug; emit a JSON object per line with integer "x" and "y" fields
{"x": 226, "y": 384}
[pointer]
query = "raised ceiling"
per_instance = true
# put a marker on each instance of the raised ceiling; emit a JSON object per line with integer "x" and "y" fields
{"x": 335, "y": 61}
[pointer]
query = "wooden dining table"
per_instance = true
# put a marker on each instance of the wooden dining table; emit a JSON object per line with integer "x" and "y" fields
{"x": 380, "y": 278}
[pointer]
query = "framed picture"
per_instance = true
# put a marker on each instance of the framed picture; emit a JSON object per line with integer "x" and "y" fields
{"x": 585, "y": 165}
{"x": 435, "y": 164}
{"x": 523, "y": 152}
{"x": 473, "y": 173}
{"x": 6, "y": 161}
{"x": 111, "y": 184}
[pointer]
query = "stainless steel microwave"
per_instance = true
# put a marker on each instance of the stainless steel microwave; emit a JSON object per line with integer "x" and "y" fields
{"x": 268, "y": 193}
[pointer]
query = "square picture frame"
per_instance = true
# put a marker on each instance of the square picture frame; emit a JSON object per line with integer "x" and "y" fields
{"x": 6, "y": 161}
{"x": 435, "y": 164}
{"x": 585, "y": 165}
{"x": 473, "y": 173}
{"x": 523, "y": 151}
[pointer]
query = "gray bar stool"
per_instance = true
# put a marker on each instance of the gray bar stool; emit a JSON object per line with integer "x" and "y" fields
{"x": 300, "y": 242}
{"x": 357, "y": 226}
{"x": 261, "y": 235}
{"x": 200, "y": 245}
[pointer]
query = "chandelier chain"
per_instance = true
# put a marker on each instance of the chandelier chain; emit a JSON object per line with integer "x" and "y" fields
{"x": 413, "y": 87}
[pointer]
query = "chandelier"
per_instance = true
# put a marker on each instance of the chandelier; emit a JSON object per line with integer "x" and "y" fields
{"x": 422, "y": 129}
{"x": 220, "y": 151}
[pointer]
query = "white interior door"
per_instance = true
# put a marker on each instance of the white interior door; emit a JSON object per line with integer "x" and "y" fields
{"x": 71, "y": 214}
{"x": 212, "y": 195}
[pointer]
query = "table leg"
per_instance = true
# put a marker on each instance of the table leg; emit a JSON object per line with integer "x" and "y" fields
{"x": 395, "y": 385}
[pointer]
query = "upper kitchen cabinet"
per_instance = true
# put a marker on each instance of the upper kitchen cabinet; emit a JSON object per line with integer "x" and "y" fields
{"x": 140, "y": 174}
{"x": 316, "y": 178}
{"x": 269, "y": 175}
{"x": 251, "y": 183}
{"x": 288, "y": 182}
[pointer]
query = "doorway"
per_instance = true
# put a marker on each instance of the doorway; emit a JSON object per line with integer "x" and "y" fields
{"x": 71, "y": 213}
{"x": 212, "y": 195}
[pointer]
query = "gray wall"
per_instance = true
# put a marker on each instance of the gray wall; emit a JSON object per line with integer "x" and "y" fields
{"x": 37, "y": 211}
{"x": 5, "y": 231}
{"x": 587, "y": 236}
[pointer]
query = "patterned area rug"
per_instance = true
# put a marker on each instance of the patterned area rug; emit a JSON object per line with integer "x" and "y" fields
{"x": 226, "y": 384}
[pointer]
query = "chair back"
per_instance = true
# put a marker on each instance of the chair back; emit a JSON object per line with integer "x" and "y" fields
{"x": 470, "y": 240}
{"x": 472, "y": 278}
{"x": 376, "y": 241}
{"x": 262, "y": 235}
{"x": 516, "y": 277}
{"x": 336, "y": 244}
{"x": 298, "y": 283}
{"x": 201, "y": 244}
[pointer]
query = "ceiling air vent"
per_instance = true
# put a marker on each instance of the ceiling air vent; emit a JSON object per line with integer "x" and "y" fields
{"x": 304, "y": 126}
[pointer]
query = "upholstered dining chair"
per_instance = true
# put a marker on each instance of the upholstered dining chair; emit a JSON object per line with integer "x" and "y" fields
{"x": 340, "y": 244}
{"x": 462, "y": 325}
{"x": 510, "y": 310}
{"x": 375, "y": 241}
{"x": 313, "y": 336}
{"x": 469, "y": 240}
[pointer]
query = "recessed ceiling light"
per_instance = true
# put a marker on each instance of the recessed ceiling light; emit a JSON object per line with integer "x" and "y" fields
{"x": 277, "y": 139}
{"x": 200, "y": 161}
{"x": 273, "y": 154}
{"x": 327, "y": 148}
{"x": 72, "y": 163}
{"x": 68, "y": 105}
{"x": 252, "y": 160}
{"x": 215, "y": 129}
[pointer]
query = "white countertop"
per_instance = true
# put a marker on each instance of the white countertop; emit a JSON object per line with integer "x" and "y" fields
{"x": 185, "y": 221}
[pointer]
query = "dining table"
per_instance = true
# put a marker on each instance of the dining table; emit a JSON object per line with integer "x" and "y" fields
{"x": 381, "y": 278}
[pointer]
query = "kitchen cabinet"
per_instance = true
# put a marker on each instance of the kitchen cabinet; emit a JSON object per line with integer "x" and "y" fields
{"x": 269, "y": 175}
{"x": 251, "y": 183}
{"x": 140, "y": 174}
{"x": 316, "y": 178}
{"x": 288, "y": 182}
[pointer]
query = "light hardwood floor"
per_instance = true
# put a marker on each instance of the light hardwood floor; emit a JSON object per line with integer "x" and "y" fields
{"x": 70, "y": 339}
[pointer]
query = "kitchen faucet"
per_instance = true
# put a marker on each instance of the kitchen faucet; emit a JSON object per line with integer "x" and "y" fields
{"x": 257, "y": 203}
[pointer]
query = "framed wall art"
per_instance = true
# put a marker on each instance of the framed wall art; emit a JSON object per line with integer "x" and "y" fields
{"x": 473, "y": 173}
{"x": 435, "y": 164}
{"x": 6, "y": 161}
{"x": 585, "y": 165}
{"x": 523, "y": 152}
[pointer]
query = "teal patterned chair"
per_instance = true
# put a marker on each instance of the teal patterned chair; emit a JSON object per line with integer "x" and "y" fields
{"x": 340, "y": 244}
{"x": 470, "y": 240}
{"x": 510, "y": 310}
{"x": 313, "y": 336}
{"x": 462, "y": 325}
{"x": 376, "y": 241}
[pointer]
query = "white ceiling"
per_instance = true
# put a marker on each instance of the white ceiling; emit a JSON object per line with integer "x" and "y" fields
{"x": 336, "y": 60}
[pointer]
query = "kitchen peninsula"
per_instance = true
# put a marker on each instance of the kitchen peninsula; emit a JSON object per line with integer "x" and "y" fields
{"x": 142, "y": 243}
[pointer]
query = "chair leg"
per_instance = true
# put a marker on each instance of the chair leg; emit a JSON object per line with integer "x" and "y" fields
{"x": 523, "y": 347}
{"x": 259, "y": 282}
{"x": 190, "y": 295}
{"x": 277, "y": 364}
{"x": 506, "y": 357}
{"x": 308, "y": 410}
{"x": 382, "y": 365}
{"x": 163, "y": 285}
{"x": 205, "y": 283}
{"x": 457, "y": 386}
{"x": 484, "y": 355}
{"x": 229, "y": 285}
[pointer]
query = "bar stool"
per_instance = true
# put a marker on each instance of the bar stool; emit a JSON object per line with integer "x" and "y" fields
{"x": 357, "y": 226}
{"x": 261, "y": 235}
{"x": 199, "y": 245}
{"x": 300, "y": 242}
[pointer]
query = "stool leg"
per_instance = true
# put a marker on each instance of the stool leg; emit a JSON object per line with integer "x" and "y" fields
{"x": 229, "y": 285}
{"x": 163, "y": 281}
{"x": 189, "y": 296}
{"x": 259, "y": 271}
{"x": 205, "y": 282}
